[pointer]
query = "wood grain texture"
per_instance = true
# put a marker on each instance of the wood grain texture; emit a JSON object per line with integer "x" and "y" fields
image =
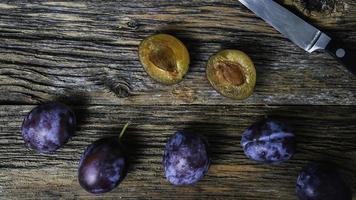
{"x": 323, "y": 134}
{"x": 84, "y": 53}
{"x": 57, "y": 48}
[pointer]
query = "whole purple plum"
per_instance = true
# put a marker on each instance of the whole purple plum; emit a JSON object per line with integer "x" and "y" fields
{"x": 186, "y": 159}
{"x": 322, "y": 182}
{"x": 102, "y": 166}
{"x": 269, "y": 141}
{"x": 48, "y": 127}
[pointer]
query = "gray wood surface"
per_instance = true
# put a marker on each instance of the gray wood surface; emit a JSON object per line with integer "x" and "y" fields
{"x": 57, "y": 48}
{"x": 84, "y": 53}
{"x": 325, "y": 133}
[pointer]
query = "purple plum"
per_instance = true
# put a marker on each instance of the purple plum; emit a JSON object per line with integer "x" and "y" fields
{"x": 322, "y": 182}
{"x": 269, "y": 141}
{"x": 186, "y": 159}
{"x": 48, "y": 127}
{"x": 103, "y": 165}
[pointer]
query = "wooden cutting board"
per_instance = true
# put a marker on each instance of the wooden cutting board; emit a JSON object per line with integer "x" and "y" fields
{"x": 84, "y": 53}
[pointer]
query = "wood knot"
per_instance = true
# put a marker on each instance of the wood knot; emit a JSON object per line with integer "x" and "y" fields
{"x": 120, "y": 88}
{"x": 321, "y": 7}
{"x": 132, "y": 25}
{"x": 115, "y": 84}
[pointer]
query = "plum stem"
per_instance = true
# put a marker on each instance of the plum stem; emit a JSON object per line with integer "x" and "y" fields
{"x": 123, "y": 130}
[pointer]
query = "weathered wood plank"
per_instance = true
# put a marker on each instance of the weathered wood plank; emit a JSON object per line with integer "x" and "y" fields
{"x": 325, "y": 133}
{"x": 85, "y": 53}
{"x": 51, "y": 49}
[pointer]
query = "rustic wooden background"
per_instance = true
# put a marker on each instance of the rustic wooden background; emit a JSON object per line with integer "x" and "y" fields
{"x": 84, "y": 53}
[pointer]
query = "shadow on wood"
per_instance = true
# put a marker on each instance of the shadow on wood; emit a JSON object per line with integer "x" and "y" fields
{"x": 78, "y": 101}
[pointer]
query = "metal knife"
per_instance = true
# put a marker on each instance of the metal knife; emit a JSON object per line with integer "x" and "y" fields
{"x": 300, "y": 32}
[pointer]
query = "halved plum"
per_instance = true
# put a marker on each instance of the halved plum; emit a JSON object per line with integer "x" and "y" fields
{"x": 232, "y": 73}
{"x": 165, "y": 58}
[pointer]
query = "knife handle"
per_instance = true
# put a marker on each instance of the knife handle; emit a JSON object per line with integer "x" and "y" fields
{"x": 345, "y": 56}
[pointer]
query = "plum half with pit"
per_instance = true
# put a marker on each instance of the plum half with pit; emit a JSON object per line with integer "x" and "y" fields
{"x": 232, "y": 73}
{"x": 186, "y": 158}
{"x": 48, "y": 127}
{"x": 164, "y": 58}
{"x": 322, "y": 182}
{"x": 103, "y": 165}
{"x": 269, "y": 141}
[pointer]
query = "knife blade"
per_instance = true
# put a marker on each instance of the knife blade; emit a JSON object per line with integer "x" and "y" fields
{"x": 300, "y": 32}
